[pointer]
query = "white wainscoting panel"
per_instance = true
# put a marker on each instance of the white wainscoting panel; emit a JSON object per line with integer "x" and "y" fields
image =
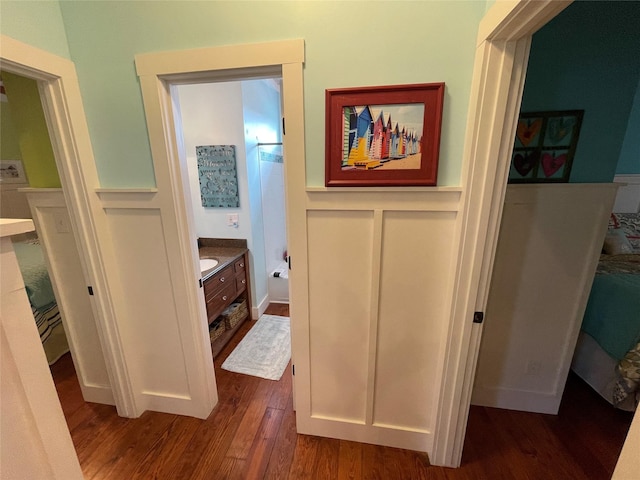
{"x": 550, "y": 240}
{"x": 628, "y": 198}
{"x": 340, "y": 270}
{"x": 415, "y": 277}
{"x": 379, "y": 285}
{"x": 142, "y": 257}
{"x": 53, "y": 225}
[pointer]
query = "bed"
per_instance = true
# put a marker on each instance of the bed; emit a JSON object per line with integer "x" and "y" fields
{"x": 607, "y": 355}
{"x": 41, "y": 297}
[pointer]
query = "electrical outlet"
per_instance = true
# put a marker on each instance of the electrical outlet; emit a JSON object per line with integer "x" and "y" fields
{"x": 232, "y": 220}
{"x": 533, "y": 368}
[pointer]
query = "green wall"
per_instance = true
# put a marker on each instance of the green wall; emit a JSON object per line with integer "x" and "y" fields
{"x": 629, "y": 161}
{"x": 588, "y": 57}
{"x": 37, "y": 23}
{"x": 9, "y": 145}
{"x": 31, "y": 128}
{"x": 348, "y": 44}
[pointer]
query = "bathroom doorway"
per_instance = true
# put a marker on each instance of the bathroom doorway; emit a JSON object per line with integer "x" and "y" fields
{"x": 245, "y": 114}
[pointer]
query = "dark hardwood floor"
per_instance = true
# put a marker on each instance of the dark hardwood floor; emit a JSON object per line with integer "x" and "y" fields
{"x": 251, "y": 434}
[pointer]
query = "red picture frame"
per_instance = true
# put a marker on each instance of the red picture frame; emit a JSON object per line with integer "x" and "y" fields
{"x": 383, "y": 136}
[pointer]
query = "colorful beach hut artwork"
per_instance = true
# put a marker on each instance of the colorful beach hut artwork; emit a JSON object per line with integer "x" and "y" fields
{"x": 383, "y": 135}
{"x": 371, "y": 138}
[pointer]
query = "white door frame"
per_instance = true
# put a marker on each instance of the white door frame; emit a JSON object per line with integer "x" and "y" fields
{"x": 64, "y": 113}
{"x": 504, "y": 39}
{"x": 160, "y": 73}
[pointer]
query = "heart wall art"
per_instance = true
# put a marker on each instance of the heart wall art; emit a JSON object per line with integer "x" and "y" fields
{"x": 544, "y": 146}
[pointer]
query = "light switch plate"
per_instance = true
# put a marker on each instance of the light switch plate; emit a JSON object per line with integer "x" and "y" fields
{"x": 232, "y": 219}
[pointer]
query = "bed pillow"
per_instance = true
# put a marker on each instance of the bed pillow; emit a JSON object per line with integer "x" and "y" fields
{"x": 616, "y": 243}
{"x": 629, "y": 225}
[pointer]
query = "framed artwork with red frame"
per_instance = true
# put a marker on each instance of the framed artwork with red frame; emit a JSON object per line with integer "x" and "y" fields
{"x": 383, "y": 136}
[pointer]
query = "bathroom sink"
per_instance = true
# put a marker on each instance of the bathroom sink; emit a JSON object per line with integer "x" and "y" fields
{"x": 207, "y": 264}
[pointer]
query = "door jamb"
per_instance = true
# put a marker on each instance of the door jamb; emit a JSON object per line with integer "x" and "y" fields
{"x": 66, "y": 121}
{"x": 504, "y": 38}
{"x": 159, "y": 72}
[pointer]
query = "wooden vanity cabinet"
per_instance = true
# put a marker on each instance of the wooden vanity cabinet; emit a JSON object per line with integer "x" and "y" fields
{"x": 222, "y": 289}
{"x": 219, "y": 292}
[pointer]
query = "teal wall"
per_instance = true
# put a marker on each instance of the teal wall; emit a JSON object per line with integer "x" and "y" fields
{"x": 588, "y": 57}
{"x": 37, "y": 23}
{"x": 348, "y": 44}
{"x": 630, "y": 155}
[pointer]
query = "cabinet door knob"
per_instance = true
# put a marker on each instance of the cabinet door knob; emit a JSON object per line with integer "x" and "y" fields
{"x": 242, "y": 264}
{"x": 224, "y": 298}
{"x": 222, "y": 279}
{"x": 244, "y": 281}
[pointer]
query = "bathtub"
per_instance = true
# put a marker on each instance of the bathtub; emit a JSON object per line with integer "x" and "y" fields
{"x": 278, "y": 283}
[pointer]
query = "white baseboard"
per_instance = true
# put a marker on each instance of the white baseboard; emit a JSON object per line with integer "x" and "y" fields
{"x": 515, "y": 400}
{"x": 174, "y": 404}
{"x": 256, "y": 312}
{"x": 97, "y": 394}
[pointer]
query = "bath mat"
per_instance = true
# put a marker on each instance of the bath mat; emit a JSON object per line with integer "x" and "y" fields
{"x": 264, "y": 351}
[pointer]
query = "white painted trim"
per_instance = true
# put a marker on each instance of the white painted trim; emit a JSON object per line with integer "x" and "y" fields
{"x": 64, "y": 112}
{"x": 40, "y": 199}
{"x": 125, "y": 190}
{"x": 229, "y": 57}
{"x": 628, "y": 199}
{"x": 15, "y": 226}
{"x": 159, "y": 73}
{"x": 431, "y": 200}
{"x": 503, "y": 42}
{"x": 256, "y": 312}
{"x": 128, "y": 198}
{"x": 35, "y": 419}
{"x": 374, "y": 313}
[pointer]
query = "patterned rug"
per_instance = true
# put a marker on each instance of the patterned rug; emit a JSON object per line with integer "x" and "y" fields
{"x": 264, "y": 351}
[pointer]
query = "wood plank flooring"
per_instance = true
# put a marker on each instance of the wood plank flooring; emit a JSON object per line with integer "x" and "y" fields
{"x": 251, "y": 435}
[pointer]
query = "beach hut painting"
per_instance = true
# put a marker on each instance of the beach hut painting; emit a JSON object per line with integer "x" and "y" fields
{"x": 382, "y": 136}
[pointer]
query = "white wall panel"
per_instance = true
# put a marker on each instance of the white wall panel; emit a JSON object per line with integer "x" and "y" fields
{"x": 550, "y": 239}
{"x": 71, "y": 292}
{"x": 415, "y": 277}
{"x": 53, "y": 224}
{"x": 35, "y": 440}
{"x": 138, "y": 239}
{"x": 340, "y": 251}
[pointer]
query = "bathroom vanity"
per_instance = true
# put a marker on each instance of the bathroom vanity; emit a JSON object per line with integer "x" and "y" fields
{"x": 225, "y": 282}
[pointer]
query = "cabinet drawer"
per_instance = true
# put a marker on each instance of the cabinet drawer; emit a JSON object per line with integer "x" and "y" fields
{"x": 238, "y": 265}
{"x": 241, "y": 283}
{"x": 218, "y": 281}
{"x": 220, "y": 300}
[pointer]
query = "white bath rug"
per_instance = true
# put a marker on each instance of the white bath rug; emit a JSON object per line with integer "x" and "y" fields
{"x": 264, "y": 351}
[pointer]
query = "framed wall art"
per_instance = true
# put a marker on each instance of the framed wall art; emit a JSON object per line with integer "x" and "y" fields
{"x": 544, "y": 146}
{"x": 12, "y": 171}
{"x": 218, "y": 176}
{"x": 383, "y": 136}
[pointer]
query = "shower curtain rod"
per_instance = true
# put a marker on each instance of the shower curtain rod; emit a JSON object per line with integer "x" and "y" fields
{"x": 275, "y": 143}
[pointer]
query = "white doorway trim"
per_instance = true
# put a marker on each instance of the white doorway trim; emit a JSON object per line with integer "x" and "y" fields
{"x": 159, "y": 74}
{"x": 64, "y": 112}
{"x": 504, "y": 39}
